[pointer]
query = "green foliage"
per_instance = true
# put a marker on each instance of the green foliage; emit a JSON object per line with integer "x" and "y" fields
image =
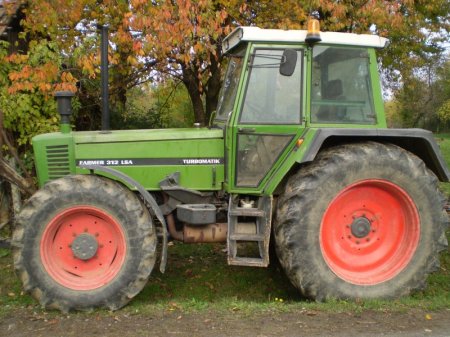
{"x": 443, "y": 82}
{"x": 423, "y": 99}
{"x": 392, "y": 111}
{"x": 444, "y": 111}
{"x": 28, "y": 115}
{"x": 4, "y": 252}
{"x": 164, "y": 105}
{"x": 28, "y": 108}
{"x": 444, "y": 144}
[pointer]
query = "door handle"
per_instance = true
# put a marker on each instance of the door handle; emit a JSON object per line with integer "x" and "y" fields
{"x": 247, "y": 130}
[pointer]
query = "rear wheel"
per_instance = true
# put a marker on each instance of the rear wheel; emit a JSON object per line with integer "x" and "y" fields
{"x": 83, "y": 242}
{"x": 363, "y": 221}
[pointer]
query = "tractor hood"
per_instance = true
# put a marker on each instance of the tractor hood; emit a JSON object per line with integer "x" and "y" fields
{"x": 145, "y": 135}
{"x": 148, "y": 156}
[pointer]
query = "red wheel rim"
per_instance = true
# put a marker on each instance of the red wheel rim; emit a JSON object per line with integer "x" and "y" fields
{"x": 58, "y": 253}
{"x": 369, "y": 232}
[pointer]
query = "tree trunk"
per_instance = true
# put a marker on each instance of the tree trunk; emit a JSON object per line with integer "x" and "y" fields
{"x": 6, "y": 171}
{"x": 192, "y": 84}
{"x": 213, "y": 87}
{"x": 15, "y": 192}
{"x": 9, "y": 174}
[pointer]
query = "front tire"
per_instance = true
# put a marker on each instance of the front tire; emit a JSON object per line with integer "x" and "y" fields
{"x": 363, "y": 220}
{"x": 82, "y": 242}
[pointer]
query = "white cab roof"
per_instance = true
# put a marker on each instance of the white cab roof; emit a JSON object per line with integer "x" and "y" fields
{"x": 256, "y": 34}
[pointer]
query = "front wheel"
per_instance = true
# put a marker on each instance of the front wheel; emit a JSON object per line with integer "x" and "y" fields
{"x": 363, "y": 220}
{"x": 83, "y": 242}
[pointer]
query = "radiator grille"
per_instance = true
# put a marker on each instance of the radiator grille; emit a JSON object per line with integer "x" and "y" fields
{"x": 58, "y": 161}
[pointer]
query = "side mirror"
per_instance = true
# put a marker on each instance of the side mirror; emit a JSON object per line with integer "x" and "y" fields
{"x": 288, "y": 62}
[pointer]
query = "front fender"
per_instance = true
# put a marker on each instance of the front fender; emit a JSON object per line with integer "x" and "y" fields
{"x": 127, "y": 180}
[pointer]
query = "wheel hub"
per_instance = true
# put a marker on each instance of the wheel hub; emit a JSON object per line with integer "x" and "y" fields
{"x": 84, "y": 246}
{"x": 360, "y": 227}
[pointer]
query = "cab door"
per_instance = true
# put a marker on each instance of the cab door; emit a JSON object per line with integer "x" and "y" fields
{"x": 269, "y": 119}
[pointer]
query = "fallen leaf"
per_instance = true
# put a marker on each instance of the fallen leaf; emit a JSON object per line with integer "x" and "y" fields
{"x": 174, "y": 306}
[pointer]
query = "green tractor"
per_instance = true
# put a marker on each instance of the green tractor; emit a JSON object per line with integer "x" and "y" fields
{"x": 297, "y": 156}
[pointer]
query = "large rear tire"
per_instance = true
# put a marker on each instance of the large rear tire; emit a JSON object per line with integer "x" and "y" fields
{"x": 82, "y": 242}
{"x": 363, "y": 220}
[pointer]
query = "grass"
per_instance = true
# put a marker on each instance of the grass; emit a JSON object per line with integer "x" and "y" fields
{"x": 198, "y": 279}
{"x": 444, "y": 143}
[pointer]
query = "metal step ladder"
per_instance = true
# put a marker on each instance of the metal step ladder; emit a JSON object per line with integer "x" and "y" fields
{"x": 249, "y": 222}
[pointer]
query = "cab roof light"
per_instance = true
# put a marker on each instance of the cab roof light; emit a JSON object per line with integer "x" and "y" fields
{"x": 313, "y": 35}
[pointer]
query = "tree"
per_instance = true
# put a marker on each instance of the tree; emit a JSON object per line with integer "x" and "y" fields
{"x": 165, "y": 105}
{"x": 443, "y": 92}
{"x": 184, "y": 38}
{"x": 26, "y": 107}
{"x": 156, "y": 40}
{"x": 422, "y": 100}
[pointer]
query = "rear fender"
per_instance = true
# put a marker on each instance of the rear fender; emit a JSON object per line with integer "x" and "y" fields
{"x": 417, "y": 141}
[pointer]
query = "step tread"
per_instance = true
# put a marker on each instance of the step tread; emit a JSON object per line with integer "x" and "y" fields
{"x": 240, "y": 211}
{"x": 247, "y": 237}
{"x": 247, "y": 261}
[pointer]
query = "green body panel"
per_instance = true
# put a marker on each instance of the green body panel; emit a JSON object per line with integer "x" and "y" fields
{"x": 147, "y": 156}
{"x": 207, "y": 159}
{"x": 295, "y": 154}
{"x": 54, "y": 156}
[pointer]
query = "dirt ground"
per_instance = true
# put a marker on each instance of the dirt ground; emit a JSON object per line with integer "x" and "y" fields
{"x": 25, "y": 322}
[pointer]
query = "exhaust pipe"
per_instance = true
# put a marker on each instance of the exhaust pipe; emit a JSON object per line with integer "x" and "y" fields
{"x": 104, "y": 77}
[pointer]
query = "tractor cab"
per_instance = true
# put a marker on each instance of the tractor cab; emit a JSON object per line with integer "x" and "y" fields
{"x": 281, "y": 85}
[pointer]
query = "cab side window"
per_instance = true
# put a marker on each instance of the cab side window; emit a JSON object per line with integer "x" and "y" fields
{"x": 272, "y": 98}
{"x": 336, "y": 96}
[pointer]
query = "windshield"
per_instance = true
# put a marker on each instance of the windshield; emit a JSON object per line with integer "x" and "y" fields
{"x": 230, "y": 84}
